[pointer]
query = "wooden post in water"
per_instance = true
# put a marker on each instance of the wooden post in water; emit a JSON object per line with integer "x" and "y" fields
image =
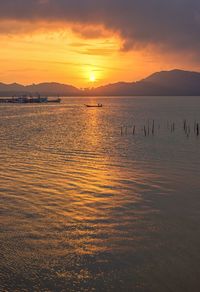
{"x": 185, "y": 126}
{"x": 172, "y": 127}
{"x": 153, "y": 126}
{"x": 197, "y": 129}
{"x": 188, "y": 130}
{"x": 145, "y": 132}
{"x": 195, "y": 125}
{"x": 133, "y": 130}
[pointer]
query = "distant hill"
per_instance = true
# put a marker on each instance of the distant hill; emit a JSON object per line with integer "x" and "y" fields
{"x": 171, "y": 83}
{"x": 53, "y": 89}
{"x": 50, "y": 89}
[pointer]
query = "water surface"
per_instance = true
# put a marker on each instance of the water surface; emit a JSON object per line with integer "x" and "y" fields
{"x": 85, "y": 207}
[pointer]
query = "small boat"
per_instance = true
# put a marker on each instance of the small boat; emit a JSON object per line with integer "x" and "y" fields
{"x": 57, "y": 100}
{"x": 94, "y": 105}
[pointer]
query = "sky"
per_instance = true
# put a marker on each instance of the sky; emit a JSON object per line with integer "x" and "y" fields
{"x": 88, "y": 43}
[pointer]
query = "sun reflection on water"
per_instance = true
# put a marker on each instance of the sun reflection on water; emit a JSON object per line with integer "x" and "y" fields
{"x": 83, "y": 207}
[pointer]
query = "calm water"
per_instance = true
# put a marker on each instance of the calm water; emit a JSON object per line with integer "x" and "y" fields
{"x": 84, "y": 208}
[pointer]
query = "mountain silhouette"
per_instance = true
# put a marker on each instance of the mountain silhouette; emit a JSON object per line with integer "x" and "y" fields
{"x": 48, "y": 88}
{"x": 175, "y": 82}
{"x": 164, "y": 83}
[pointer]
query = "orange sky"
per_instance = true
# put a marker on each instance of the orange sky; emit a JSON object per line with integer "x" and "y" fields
{"x": 61, "y": 54}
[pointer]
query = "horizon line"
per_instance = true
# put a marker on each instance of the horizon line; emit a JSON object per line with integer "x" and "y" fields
{"x": 93, "y": 87}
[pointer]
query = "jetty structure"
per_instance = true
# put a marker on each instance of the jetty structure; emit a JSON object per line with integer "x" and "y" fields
{"x": 30, "y": 99}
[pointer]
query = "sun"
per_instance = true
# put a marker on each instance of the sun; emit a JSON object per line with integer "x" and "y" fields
{"x": 92, "y": 77}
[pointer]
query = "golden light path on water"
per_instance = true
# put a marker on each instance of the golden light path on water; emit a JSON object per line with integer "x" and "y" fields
{"x": 86, "y": 209}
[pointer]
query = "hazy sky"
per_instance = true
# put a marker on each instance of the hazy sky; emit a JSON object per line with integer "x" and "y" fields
{"x": 80, "y": 41}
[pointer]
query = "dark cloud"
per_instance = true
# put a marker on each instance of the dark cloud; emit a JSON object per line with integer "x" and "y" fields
{"x": 168, "y": 24}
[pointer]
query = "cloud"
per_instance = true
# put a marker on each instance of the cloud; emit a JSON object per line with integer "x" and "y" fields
{"x": 165, "y": 24}
{"x": 90, "y": 31}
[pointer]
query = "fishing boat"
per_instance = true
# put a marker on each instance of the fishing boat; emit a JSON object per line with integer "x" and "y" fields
{"x": 57, "y": 100}
{"x": 94, "y": 105}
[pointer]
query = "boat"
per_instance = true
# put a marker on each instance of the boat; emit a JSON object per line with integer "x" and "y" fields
{"x": 94, "y": 105}
{"x": 57, "y": 100}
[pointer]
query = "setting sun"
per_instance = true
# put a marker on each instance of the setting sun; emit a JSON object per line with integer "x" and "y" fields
{"x": 92, "y": 77}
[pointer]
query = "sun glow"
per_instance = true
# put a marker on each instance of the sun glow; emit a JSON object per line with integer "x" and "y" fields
{"x": 92, "y": 77}
{"x": 89, "y": 62}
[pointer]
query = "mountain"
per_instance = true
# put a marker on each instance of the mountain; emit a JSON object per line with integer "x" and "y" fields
{"x": 51, "y": 89}
{"x": 10, "y": 87}
{"x": 175, "y": 82}
{"x": 171, "y": 83}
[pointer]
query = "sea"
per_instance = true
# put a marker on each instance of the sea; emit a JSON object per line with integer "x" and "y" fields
{"x": 100, "y": 199}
